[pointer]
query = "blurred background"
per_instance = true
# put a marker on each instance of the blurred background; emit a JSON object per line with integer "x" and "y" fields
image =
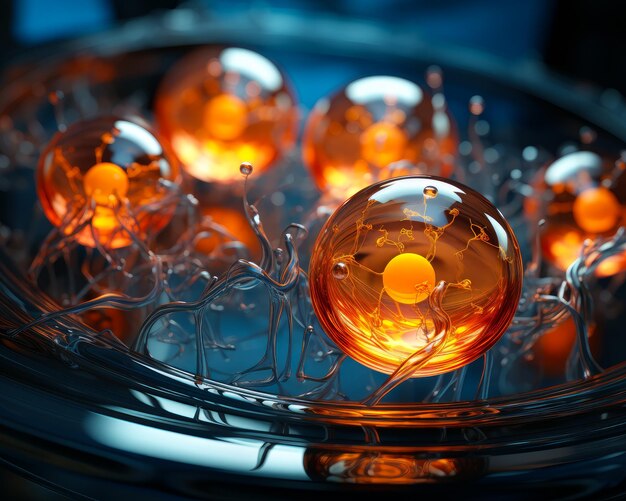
{"x": 581, "y": 40}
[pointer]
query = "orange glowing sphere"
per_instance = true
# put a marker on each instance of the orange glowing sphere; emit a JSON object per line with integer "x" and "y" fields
{"x": 220, "y": 107}
{"x": 578, "y": 199}
{"x": 416, "y": 263}
{"x": 102, "y": 179}
{"x": 353, "y": 137}
{"x": 597, "y": 210}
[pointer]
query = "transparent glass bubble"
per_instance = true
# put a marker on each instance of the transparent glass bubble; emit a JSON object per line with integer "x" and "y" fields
{"x": 431, "y": 265}
{"x": 352, "y": 137}
{"x": 220, "y": 107}
{"x": 106, "y": 181}
{"x": 579, "y": 196}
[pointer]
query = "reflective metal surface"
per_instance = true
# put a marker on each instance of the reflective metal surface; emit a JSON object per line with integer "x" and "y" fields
{"x": 83, "y": 414}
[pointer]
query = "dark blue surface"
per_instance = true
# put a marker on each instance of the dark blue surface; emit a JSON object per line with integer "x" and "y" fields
{"x": 510, "y": 29}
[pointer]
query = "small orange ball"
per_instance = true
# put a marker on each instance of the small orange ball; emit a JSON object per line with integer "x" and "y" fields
{"x": 409, "y": 278}
{"x": 102, "y": 178}
{"x": 380, "y": 257}
{"x": 220, "y": 107}
{"x": 353, "y": 137}
{"x": 597, "y": 210}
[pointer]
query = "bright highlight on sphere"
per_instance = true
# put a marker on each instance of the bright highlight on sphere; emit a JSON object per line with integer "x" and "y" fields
{"x": 104, "y": 178}
{"x": 406, "y": 256}
{"x": 220, "y": 107}
{"x": 358, "y": 135}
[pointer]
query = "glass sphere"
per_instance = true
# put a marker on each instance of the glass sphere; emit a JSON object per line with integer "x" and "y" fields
{"x": 100, "y": 181}
{"x": 579, "y": 196}
{"x": 220, "y": 107}
{"x": 358, "y": 135}
{"x": 381, "y": 255}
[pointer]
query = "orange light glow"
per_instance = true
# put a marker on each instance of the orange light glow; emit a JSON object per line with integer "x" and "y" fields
{"x": 415, "y": 265}
{"x": 124, "y": 324}
{"x": 383, "y": 143}
{"x": 562, "y": 246}
{"x": 611, "y": 265}
{"x": 221, "y": 107}
{"x": 409, "y": 278}
{"x": 234, "y": 226}
{"x": 554, "y": 346}
{"x": 596, "y": 210}
{"x": 225, "y": 117}
{"x": 105, "y": 180}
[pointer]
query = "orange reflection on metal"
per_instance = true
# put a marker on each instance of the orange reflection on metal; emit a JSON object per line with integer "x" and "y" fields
{"x": 387, "y": 467}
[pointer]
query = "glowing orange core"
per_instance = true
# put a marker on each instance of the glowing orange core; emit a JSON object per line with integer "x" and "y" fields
{"x": 565, "y": 248}
{"x": 596, "y": 210}
{"x": 225, "y": 117}
{"x": 104, "y": 180}
{"x": 383, "y": 143}
{"x": 409, "y": 278}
